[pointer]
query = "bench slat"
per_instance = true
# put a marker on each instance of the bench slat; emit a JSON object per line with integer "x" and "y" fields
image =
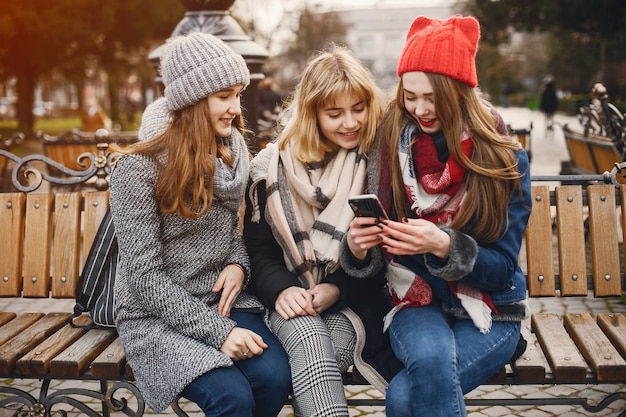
{"x": 531, "y": 366}
{"x": 77, "y": 358}
{"x": 498, "y": 378}
{"x": 622, "y": 190}
{"x": 539, "y": 255}
{"x": 604, "y": 240}
{"x": 37, "y": 240}
{"x": 3, "y": 164}
{"x": 96, "y": 205}
{"x": 37, "y": 361}
{"x": 580, "y": 154}
{"x": 67, "y": 153}
{"x": 571, "y": 240}
{"x": 12, "y": 207}
{"x": 66, "y": 256}
{"x": 15, "y": 326}
{"x": 614, "y": 326}
{"x": 561, "y": 352}
{"x": 111, "y": 362}
{"x": 77, "y": 151}
{"x": 29, "y": 338}
{"x": 596, "y": 348}
{"x": 6, "y": 317}
{"x": 606, "y": 157}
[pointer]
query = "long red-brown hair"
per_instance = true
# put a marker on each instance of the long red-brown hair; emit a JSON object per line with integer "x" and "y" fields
{"x": 491, "y": 169}
{"x": 185, "y": 184}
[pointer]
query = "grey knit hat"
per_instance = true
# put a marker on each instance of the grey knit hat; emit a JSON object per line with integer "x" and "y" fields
{"x": 155, "y": 120}
{"x": 197, "y": 65}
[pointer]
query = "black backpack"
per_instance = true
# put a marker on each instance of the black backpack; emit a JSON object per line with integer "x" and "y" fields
{"x": 94, "y": 293}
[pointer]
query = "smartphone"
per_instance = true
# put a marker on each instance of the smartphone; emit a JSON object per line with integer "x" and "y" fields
{"x": 367, "y": 205}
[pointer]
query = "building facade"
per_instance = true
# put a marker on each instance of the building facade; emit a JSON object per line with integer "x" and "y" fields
{"x": 377, "y": 33}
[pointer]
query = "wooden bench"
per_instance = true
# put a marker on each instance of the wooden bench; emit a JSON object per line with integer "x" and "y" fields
{"x": 68, "y": 147}
{"x": 7, "y": 144}
{"x": 523, "y": 137}
{"x": 46, "y": 235}
{"x": 589, "y": 154}
{"x": 45, "y": 238}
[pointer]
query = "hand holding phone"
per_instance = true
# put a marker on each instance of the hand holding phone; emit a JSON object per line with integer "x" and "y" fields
{"x": 367, "y": 205}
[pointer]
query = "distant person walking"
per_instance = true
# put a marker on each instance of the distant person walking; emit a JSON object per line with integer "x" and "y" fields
{"x": 549, "y": 102}
{"x": 93, "y": 117}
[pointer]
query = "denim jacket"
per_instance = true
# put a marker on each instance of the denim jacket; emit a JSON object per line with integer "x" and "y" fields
{"x": 492, "y": 268}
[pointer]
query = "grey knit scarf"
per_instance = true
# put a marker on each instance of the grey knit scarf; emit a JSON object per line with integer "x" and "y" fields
{"x": 229, "y": 183}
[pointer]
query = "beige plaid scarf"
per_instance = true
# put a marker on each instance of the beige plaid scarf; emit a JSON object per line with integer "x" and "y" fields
{"x": 308, "y": 211}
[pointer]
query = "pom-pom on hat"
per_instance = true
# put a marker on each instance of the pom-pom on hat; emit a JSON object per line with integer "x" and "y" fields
{"x": 446, "y": 47}
{"x": 155, "y": 120}
{"x": 197, "y": 65}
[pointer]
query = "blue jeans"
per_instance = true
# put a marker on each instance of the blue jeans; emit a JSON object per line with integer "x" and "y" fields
{"x": 255, "y": 387}
{"x": 443, "y": 359}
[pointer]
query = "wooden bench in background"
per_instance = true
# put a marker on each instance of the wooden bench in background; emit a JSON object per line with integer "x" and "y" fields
{"x": 589, "y": 154}
{"x": 46, "y": 235}
{"x": 523, "y": 136}
{"x": 8, "y": 144}
{"x": 67, "y": 147}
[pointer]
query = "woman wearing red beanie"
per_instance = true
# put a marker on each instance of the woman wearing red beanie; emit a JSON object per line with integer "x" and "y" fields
{"x": 457, "y": 189}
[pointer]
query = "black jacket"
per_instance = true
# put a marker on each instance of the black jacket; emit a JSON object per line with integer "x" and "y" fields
{"x": 366, "y": 297}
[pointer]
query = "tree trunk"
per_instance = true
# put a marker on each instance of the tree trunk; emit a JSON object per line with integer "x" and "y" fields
{"x": 25, "y": 101}
{"x": 113, "y": 86}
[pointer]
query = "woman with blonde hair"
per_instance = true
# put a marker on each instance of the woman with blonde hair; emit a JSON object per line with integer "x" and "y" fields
{"x": 187, "y": 325}
{"x": 296, "y": 217}
{"x": 457, "y": 190}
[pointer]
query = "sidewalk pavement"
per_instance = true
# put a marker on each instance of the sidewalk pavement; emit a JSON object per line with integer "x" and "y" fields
{"x": 547, "y": 149}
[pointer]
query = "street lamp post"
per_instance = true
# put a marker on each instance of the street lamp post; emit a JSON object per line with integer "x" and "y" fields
{"x": 212, "y": 16}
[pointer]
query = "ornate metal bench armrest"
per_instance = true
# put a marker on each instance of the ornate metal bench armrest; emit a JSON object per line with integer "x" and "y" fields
{"x": 26, "y": 178}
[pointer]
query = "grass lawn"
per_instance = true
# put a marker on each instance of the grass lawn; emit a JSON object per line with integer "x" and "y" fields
{"x": 56, "y": 125}
{"x": 51, "y": 126}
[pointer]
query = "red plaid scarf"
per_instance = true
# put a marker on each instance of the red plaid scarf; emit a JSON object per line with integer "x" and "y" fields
{"x": 434, "y": 189}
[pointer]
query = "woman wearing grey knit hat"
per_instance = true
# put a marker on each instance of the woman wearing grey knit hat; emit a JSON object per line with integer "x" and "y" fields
{"x": 187, "y": 325}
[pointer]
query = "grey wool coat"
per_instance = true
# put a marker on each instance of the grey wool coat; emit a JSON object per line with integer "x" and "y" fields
{"x": 166, "y": 313}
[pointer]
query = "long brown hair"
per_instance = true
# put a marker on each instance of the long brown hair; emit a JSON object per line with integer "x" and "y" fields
{"x": 491, "y": 170}
{"x": 185, "y": 183}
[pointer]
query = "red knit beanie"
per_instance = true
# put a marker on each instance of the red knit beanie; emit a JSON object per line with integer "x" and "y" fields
{"x": 446, "y": 47}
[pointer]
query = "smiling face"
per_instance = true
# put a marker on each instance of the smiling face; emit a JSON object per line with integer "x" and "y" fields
{"x": 343, "y": 121}
{"x": 419, "y": 101}
{"x": 224, "y": 106}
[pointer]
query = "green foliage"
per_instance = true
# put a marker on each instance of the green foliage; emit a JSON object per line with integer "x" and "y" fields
{"x": 38, "y": 36}
{"x": 44, "y": 34}
{"x": 569, "y": 105}
{"x": 598, "y": 19}
{"x": 315, "y": 32}
{"x": 587, "y": 36}
{"x": 576, "y": 63}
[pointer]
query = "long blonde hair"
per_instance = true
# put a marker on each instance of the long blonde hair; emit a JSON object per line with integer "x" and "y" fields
{"x": 491, "y": 170}
{"x": 332, "y": 73}
{"x": 185, "y": 184}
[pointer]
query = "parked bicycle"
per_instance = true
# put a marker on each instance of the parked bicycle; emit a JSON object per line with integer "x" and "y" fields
{"x": 602, "y": 118}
